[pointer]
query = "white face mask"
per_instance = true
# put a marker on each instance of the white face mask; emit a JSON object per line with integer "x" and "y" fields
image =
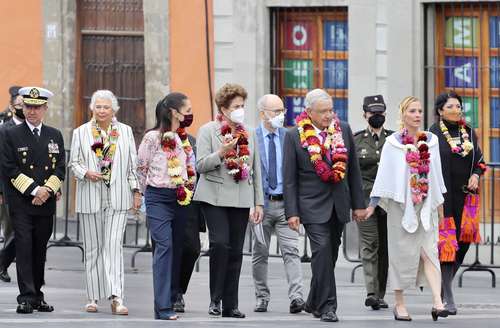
{"x": 277, "y": 121}
{"x": 238, "y": 115}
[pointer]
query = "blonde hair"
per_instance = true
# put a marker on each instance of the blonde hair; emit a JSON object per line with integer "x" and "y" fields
{"x": 403, "y": 106}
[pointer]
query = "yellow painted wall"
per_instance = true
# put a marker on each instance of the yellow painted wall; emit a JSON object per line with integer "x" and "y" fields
{"x": 21, "y": 46}
{"x": 188, "y": 60}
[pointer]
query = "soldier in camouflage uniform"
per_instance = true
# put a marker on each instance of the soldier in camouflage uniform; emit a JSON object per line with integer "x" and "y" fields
{"x": 373, "y": 232}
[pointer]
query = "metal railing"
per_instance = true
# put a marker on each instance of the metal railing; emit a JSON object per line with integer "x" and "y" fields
{"x": 350, "y": 238}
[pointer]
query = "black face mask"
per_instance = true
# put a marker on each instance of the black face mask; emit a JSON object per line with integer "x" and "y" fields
{"x": 19, "y": 112}
{"x": 188, "y": 119}
{"x": 376, "y": 121}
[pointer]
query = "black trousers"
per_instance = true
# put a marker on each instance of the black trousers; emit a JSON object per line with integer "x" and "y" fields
{"x": 8, "y": 252}
{"x": 226, "y": 233}
{"x": 32, "y": 234}
{"x": 191, "y": 247}
{"x": 325, "y": 239}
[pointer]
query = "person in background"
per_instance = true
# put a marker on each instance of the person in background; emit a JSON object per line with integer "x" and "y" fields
{"x": 373, "y": 232}
{"x": 195, "y": 223}
{"x": 270, "y": 134}
{"x": 13, "y": 116}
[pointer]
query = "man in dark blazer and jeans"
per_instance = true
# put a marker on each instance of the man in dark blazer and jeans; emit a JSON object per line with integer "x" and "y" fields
{"x": 322, "y": 207}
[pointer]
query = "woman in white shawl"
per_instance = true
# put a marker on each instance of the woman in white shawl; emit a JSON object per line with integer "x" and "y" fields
{"x": 409, "y": 186}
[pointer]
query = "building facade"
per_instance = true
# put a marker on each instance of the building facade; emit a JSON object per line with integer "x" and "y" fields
{"x": 143, "y": 49}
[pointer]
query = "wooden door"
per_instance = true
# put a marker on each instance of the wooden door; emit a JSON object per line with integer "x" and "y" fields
{"x": 111, "y": 56}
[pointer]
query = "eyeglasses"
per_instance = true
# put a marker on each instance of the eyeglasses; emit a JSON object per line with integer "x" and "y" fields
{"x": 276, "y": 111}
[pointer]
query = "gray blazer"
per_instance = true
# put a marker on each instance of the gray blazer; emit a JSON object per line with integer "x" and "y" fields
{"x": 310, "y": 198}
{"x": 215, "y": 185}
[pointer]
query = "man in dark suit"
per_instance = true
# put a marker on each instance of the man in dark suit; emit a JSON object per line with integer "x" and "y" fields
{"x": 322, "y": 207}
{"x": 33, "y": 169}
{"x": 8, "y": 252}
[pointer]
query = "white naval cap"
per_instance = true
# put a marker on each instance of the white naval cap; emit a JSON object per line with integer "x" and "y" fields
{"x": 35, "y": 96}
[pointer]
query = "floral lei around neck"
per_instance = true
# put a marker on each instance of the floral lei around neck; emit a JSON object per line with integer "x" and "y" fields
{"x": 465, "y": 148}
{"x": 333, "y": 143}
{"x": 236, "y": 160}
{"x": 185, "y": 187}
{"x": 418, "y": 159}
{"x": 105, "y": 147}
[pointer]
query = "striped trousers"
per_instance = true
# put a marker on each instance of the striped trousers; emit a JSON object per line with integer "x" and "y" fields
{"x": 103, "y": 243}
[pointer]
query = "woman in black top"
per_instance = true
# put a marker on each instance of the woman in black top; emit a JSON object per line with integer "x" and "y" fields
{"x": 462, "y": 164}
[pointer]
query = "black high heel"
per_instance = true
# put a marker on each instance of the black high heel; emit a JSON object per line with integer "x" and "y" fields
{"x": 439, "y": 313}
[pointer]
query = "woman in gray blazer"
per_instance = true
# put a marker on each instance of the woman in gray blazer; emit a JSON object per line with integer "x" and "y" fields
{"x": 103, "y": 160}
{"x": 230, "y": 192}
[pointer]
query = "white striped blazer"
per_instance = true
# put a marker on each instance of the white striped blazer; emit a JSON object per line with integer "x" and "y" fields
{"x": 123, "y": 170}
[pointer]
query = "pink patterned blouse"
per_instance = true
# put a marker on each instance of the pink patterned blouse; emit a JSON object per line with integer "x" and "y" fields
{"x": 152, "y": 162}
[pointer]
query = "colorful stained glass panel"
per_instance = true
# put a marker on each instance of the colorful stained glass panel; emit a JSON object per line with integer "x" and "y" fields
{"x": 335, "y": 74}
{"x": 298, "y": 74}
{"x": 461, "y": 72}
{"x": 335, "y": 35}
{"x": 462, "y": 32}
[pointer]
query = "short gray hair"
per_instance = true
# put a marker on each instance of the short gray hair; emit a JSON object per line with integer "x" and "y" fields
{"x": 261, "y": 103}
{"x": 104, "y": 94}
{"x": 315, "y": 95}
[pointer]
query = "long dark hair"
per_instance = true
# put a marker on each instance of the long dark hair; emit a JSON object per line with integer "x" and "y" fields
{"x": 172, "y": 101}
{"x": 443, "y": 98}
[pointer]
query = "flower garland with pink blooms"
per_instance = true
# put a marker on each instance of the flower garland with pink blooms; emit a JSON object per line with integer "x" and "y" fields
{"x": 418, "y": 159}
{"x": 332, "y": 147}
{"x": 104, "y": 147}
{"x": 185, "y": 187}
{"x": 465, "y": 148}
{"x": 235, "y": 160}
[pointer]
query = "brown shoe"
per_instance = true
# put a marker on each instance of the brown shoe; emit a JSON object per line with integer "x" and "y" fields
{"x": 117, "y": 307}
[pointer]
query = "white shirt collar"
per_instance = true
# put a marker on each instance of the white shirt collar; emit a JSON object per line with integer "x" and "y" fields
{"x": 31, "y": 126}
{"x": 16, "y": 120}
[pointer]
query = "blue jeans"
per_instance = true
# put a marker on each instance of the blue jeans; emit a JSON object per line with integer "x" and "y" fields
{"x": 163, "y": 215}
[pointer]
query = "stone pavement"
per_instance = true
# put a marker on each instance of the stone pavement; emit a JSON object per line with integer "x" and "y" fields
{"x": 478, "y": 303}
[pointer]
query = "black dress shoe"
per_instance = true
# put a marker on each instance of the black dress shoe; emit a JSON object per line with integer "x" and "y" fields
{"x": 329, "y": 316}
{"x": 233, "y": 313}
{"x": 297, "y": 305}
{"x": 373, "y": 302}
{"x": 435, "y": 313}
{"x": 4, "y": 275}
{"x": 214, "y": 308}
{"x": 43, "y": 307}
{"x": 261, "y": 306}
{"x": 179, "y": 304}
{"x": 24, "y": 308}
{"x": 309, "y": 309}
{"x": 383, "y": 304}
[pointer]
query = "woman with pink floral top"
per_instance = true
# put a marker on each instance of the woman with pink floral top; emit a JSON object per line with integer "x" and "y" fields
{"x": 167, "y": 179}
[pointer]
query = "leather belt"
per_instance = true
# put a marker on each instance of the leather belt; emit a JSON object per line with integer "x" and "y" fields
{"x": 275, "y": 197}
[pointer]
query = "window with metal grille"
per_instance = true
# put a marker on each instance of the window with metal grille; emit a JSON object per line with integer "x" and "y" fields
{"x": 464, "y": 56}
{"x": 309, "y": 50}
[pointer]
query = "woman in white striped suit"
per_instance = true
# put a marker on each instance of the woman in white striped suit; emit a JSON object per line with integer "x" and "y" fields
{"x": 103, "y": 160}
